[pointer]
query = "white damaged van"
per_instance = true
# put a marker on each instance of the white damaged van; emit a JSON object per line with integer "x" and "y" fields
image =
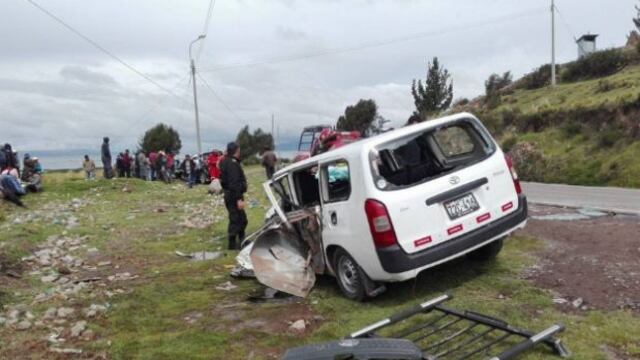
{"x": 393, "y": 205}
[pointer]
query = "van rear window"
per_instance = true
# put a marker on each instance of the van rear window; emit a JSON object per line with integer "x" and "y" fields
{"x": 429, "y": 154}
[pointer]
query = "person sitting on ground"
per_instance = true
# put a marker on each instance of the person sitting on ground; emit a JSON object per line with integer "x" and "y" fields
{"x": 32, "y": 173}
{"x": 89, "y": 167}
{"x": 10, "y": 180}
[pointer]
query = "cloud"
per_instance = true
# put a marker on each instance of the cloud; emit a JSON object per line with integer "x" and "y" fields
{"x": 290, "y": 34}
{"x": 58, "y": 92}
{"x": 84, "y": 74}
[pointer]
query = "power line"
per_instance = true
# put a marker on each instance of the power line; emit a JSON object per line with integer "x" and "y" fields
{"x": 160, "y": 101}
{"x": 569, "y": 29}
{"x": 205, "y": 29}
{"x": 374, "y": 44}
{"x": 220, "y": 99}
{"x": 101, "y": 48}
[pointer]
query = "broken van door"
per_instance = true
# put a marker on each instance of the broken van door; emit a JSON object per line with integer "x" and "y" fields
{"x": 286, "y": 258}
{"x": 442, "y": 182}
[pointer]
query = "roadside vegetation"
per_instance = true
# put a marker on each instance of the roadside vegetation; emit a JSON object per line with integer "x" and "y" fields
{"x": 584, "y": 131}
{"x": 172, "y": 307}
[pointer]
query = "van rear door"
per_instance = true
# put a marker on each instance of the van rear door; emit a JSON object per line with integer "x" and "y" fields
{"x": 442, "y": 182}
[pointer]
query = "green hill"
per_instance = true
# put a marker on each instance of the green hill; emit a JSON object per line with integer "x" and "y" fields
{"x": 583, "y": 132}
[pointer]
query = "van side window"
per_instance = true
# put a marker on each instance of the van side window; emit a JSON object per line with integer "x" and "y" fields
{"x": 307, "y": 187}
{"x": 337, "y": 181}
{"x": 454, "y": 141}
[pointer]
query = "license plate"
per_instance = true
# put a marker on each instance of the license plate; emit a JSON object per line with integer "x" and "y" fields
{"x": 461, "y": 206}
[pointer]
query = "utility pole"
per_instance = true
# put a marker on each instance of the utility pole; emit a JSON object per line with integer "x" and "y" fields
{"x": 195, "y": 93}
{"x": 272, "y": 133}
{"x": 553, "y": 43}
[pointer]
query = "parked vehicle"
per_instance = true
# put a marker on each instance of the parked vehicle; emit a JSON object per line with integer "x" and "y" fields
{"x": 391, "y": 206}
{"x": 308, "y": 140}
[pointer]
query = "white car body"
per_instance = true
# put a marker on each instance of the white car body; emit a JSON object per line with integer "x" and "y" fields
{"x": 426, "y": 235}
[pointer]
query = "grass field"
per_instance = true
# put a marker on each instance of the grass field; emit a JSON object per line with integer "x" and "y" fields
{"x": 173, "y": 310}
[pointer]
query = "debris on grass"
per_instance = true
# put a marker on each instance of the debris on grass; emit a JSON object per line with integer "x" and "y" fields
{"x": 228, "y": 286}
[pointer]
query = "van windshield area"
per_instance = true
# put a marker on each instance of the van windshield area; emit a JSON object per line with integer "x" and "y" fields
{"x": 429, "y": 154}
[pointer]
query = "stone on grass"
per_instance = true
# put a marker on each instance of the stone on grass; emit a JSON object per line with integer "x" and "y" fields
{"x": 49, "y": 278}
{"x": 64, "y": 312}
{"x": 95, "y": 309}
{"x": 78, "y": 328}
{"x": 50, "y": 313}
{"x": 226, "y": 286}
{"x": 23, "y": 325}
{"x": 298, "y": 326}
{"x": 577, "y": 303}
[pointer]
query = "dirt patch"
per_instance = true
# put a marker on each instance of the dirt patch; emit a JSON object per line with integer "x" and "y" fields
{"x": 591, "y": 262}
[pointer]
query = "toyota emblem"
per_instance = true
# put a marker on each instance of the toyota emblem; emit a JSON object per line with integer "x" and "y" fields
{"x": 454, "y": 180}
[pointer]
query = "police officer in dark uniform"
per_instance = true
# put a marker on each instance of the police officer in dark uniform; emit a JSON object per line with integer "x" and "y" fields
{"x": 234, "y": 184}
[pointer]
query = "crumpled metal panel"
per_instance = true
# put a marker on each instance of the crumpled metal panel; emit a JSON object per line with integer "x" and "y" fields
{"x": 281, "y": 261}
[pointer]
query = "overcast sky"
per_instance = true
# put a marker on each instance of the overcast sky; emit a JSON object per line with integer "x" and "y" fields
{"x": 59, "y": 92}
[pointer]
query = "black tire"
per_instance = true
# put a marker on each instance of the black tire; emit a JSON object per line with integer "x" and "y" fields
{"x": 487, "y": 252}
{"x": 350, "y": 277}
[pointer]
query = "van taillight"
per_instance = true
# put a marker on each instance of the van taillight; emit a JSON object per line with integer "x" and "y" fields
{"x": 514, "y": 174}
{"x": 380, "y": 224}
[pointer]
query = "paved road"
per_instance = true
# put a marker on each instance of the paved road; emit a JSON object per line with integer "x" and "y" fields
{"x": 601, "y": 198}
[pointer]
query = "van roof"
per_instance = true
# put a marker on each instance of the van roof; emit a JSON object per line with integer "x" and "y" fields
{"x": 357, "y": 146}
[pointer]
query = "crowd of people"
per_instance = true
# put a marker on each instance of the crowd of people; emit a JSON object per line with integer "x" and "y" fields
{"x": 154, "y": 165}
{"x": 16, "y": 181}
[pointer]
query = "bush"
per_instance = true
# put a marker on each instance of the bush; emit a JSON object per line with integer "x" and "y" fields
{"x": 604, "y": 86}
{"x": 538, "y": 78}
{"x": 508, "y": 142}
{"x": 599, "y": 64}
{"x": 571, "y": 128}
{"x": 609, "y": 137}
{"x": 461, "y": 102}
{"x": 530, "y": 162}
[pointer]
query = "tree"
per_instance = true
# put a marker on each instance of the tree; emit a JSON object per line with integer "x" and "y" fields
{"x": 252, "y": 144}
{"x": 636, "y": 20}
{"x": 358, "y": 117}
{"x": 161, "y": 137}
{"x": 492, "y": 87}
{"x": 436, "y": 94}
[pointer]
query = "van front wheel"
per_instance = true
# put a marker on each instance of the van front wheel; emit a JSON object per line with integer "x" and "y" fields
{"x": 350, "y": 276}
{"x": 487, "y": 252}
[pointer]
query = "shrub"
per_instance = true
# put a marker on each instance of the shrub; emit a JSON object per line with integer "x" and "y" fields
{"x": 604, "y": 86}
{"x": 508, "y": 142}
{"x": 461, "y": 102}
{"x": 599, "y": 64}
{"x": 608, "y": 138}
{"x": 571, "y": 128}
{"x": 538, "y": 78}
{"x": 529, "y": 161}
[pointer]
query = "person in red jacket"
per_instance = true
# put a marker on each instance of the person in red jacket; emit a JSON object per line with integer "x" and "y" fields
{"x": 212, "y": 164}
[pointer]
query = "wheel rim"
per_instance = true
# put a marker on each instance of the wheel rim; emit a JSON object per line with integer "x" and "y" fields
{"x": 348, "y": 273}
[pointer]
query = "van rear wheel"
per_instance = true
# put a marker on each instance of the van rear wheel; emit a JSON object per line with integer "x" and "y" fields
{"x": 350, "y": 276}
{"x": 487, "y": 252}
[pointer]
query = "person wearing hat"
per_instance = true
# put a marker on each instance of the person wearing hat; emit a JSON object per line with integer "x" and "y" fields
{"x": 234, "y": 185}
